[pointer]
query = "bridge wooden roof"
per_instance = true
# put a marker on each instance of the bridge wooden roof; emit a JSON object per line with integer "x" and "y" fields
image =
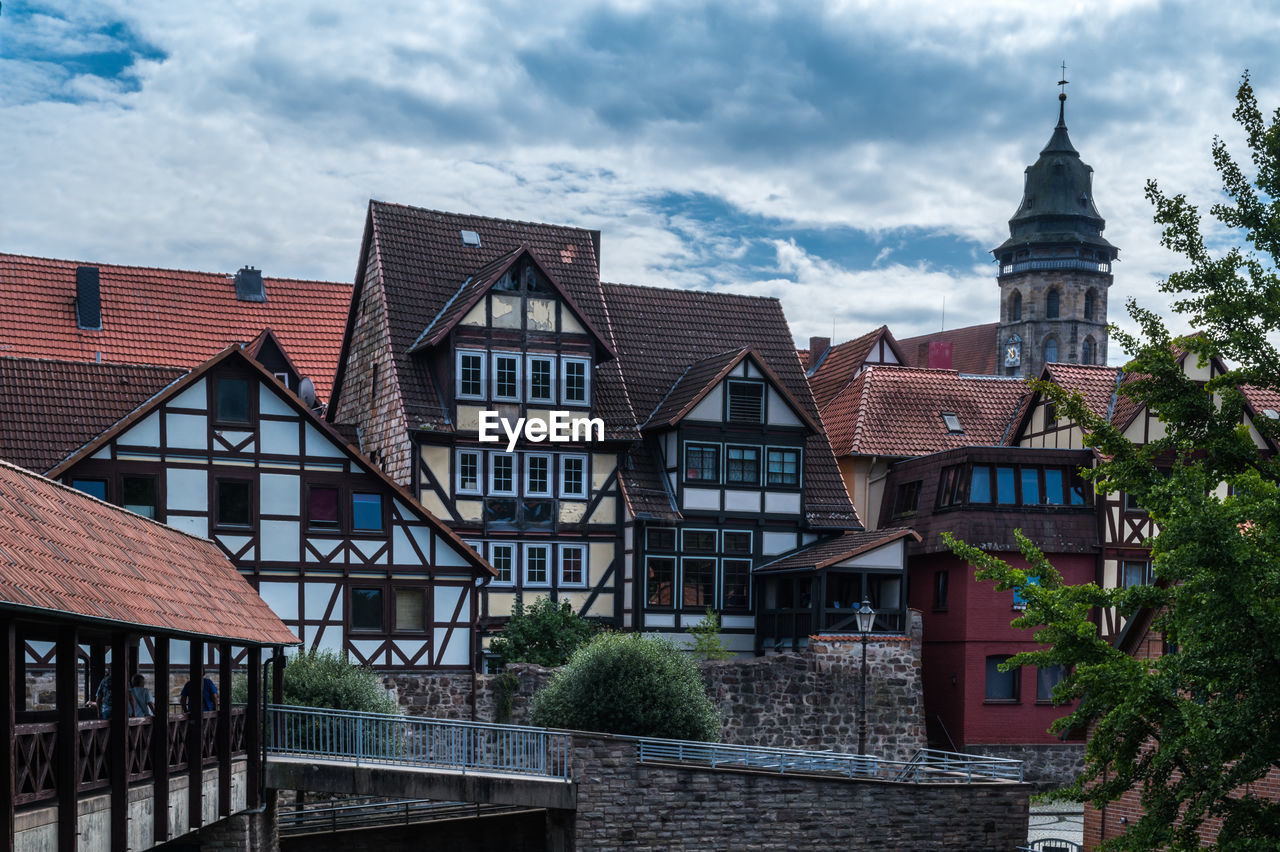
{"x": 64, "y": 553}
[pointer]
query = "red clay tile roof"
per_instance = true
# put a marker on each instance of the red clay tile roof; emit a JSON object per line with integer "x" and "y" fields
{"x": 1097, "y": 384}
{"x": 897, "y": 411}
{"x": 166, "y": 317}
{"x": 973, "y": 349}
{"x": 49, "y": 409}
{"x": 829, "y": 551}
{"x": 65, "y": 552}
{"x": 841, "y": 363}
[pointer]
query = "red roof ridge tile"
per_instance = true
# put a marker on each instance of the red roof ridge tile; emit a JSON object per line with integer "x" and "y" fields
{"x": 165, "y": 269}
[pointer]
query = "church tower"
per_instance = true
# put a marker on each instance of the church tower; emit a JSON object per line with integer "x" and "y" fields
{"x": 1055, "y": 268}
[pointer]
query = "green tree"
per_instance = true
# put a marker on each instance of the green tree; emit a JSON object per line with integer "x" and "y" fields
{"x": 706, "y": 638}
{"x": 625, "y": 683}
{"x": 545, "y": 632}
{"x": 1191, "y": 729}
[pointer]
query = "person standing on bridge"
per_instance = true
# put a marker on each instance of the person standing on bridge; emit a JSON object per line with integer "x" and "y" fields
{"x": 209, "y": 697}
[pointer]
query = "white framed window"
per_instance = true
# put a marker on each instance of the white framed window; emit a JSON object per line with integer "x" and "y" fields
{"x": 575, "y": 381}
{"x": 537, "y": 564}
{"x": 702, "y": 463}
{"x": 502, "y": 474}
{"x": 742, "y": 465}
{"x": 541, "y": 372}
{"x": 573, "y": 565}
{"x": 471, "y": 375}
{"x": 469, "y": 472}
{"x": 506, "y": 377}
{"x": 573, "y": 476}
{"x": 503, "y": 559}
{"x": 783, "y": 467}
{"x": 537, "y": 475}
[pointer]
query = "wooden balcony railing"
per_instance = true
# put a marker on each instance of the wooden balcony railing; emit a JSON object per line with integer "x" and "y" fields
{"x": 37, "y": 744}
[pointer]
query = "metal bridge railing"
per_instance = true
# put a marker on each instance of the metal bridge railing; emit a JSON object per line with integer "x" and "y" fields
{"x": 926, "y": 766}
{"x": 388, "y": 740}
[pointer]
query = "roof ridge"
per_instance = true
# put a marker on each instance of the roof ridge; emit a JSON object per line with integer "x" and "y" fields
{"x": 101, "y": 265}
{"x": 82, "y": 363}
{"x": 502, "y": 219}
{"x": 604, "y": 283}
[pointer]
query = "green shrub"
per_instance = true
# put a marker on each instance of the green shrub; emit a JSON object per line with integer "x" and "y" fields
{"x": 706, "y": 638}
{"x": 326, "y": 679}
{"x": 625, "y": 683}
{"x": 545, "y": 632}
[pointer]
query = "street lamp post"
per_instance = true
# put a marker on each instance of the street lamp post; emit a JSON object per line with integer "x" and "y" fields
{"x": 866, "y": 616}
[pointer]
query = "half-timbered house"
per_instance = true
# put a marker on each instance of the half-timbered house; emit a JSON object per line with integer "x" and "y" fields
{"x": 709, "y": 460}
{"x": 345, "y": 557}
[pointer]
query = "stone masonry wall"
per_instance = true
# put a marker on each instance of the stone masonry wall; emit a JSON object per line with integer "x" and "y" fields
{"x": 624, "y": 804}
{"x": 803, "y": 700}
{"x": 1048, "y": 767}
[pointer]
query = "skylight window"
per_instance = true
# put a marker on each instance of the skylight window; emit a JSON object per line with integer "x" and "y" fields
{"x": 470, "y": 238}
{"x": 953, "y": 422}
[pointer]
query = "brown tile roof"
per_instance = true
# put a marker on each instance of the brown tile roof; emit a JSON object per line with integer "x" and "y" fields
{"x": 166, "y": 317}
{"x": 424, "y": 264}
{"x": 973, "y": 349}
{"x": 1096, "y": 383}
{"x": 65, "y": 552}
{"x": 841, "y": 363}
{"x": 827, "y": 552}
{"x": 661, "y": 332}
{"x": 897, "y": 411}
{"x": 49, "y": 409}
{"x": 645, "y": 487}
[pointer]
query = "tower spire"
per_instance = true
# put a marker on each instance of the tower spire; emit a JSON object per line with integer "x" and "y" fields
{"x": 1062, "y": 97}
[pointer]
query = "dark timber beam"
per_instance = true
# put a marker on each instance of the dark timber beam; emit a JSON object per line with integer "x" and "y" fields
{"x": 253, "y": 720}
{"x": 118, "y": 741}
{"x": 9, "y": 654}
{"x": 160, "y": 743}
{"x": 224, "y": 729}
{"x": 195, "y": 736}
{"x": 67, "y": 750}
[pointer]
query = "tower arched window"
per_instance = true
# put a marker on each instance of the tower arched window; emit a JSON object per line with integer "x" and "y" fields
{"x": 1051, "y": 350}
{"x": 1051, "y": 305}
{"x": 1089, "y": 298}
{"x": 1015, "y": 306}
{"x": 1086, "y": 351}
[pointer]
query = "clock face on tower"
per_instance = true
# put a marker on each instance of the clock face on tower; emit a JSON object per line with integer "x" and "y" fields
{"x": 1013, "y": 352}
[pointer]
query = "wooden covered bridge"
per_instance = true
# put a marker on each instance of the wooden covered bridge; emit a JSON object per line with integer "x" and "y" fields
{"x": 86, "y": 587}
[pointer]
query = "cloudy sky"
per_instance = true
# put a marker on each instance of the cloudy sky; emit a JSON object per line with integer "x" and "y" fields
{"x": 855, "y": 159}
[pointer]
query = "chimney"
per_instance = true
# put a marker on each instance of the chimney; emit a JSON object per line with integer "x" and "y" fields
{"x": 249, "y": 286}
{"x": 940, "y": 354}
{"x": 818, "y": 347}
{"x": 88, "y": 298}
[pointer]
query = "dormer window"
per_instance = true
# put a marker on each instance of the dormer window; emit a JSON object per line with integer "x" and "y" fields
{"x": 952, "y": 422}
{"x": 746, "y": 402}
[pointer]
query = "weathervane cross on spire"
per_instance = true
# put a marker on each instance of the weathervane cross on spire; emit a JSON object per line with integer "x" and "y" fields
{"x": 1063, "y": 81}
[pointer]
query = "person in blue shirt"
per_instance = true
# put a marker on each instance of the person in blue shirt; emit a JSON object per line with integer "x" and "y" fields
{"x": 209, "y": 698}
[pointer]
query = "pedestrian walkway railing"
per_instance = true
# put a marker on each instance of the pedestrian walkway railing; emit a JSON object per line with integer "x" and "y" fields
{"x": 926, "y": 766}
{"x": 412, "y": 741}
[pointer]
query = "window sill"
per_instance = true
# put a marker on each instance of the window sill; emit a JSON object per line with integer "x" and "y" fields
{"x": 1005, "y": 701}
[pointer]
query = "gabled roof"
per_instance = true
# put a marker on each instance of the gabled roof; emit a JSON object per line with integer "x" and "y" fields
{"x": 660, "y": 332}
{"x": 64, "y": 552}
{"x": 474, "y": 288}
{"x": 840, "y": 363}
{"x": 49, "y": 408}
{"x": 235, "y": 353}
{"x": 897, "y": 411}
{"x": 973, "y": 348}
{"x": 700, "y": 377}
{"x": 166, "y": 317}
{"x": 423, "y": 264}
{"x": 825, "y": 553}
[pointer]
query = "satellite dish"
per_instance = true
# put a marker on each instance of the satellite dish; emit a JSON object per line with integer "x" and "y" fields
{"x": 307, "y": 392}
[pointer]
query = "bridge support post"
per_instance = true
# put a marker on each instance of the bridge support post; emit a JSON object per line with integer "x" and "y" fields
{"x": 559, "y": 830}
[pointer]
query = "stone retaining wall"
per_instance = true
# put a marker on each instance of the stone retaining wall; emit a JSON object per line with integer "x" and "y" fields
{"x": 1046, "y": 766}
{"x": 626, "y": 805}
{"x": 809, "y": 699}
